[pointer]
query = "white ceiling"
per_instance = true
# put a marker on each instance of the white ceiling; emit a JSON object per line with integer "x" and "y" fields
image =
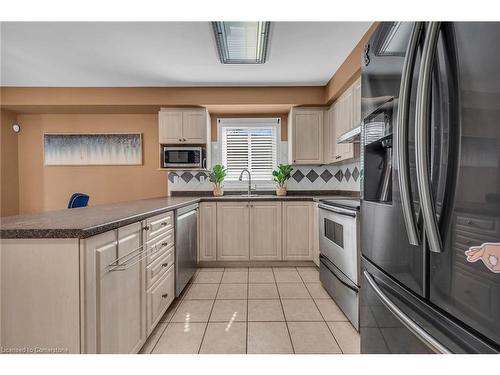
{"x": 166, "y": 54}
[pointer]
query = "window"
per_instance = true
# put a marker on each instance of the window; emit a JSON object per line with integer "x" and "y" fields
{"x": 250, "y": 144}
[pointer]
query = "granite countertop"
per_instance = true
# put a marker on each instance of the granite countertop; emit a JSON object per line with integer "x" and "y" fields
{"x": 89, "y": 221}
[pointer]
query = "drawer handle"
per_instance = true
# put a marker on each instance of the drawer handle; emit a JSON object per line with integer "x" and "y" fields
{"x": 164, "y": 244}
{"x": 146, "y": 227}
{"x": 165, "y": 264}
{"x": 164, "y": 223}
{"x": 338, "y": 157}
{"x": 164, "y": 295}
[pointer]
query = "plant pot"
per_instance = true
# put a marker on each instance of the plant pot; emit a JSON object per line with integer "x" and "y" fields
{"x": 218, "y": 191}
{"x": 280, "y": 191}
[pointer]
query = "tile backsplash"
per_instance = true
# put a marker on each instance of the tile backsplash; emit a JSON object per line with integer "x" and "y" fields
{"x": 304, "y": 177}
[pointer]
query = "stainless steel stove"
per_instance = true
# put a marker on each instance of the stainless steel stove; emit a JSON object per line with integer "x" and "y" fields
{"x": 339, "y": 253}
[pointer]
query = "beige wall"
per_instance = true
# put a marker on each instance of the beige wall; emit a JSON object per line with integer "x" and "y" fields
{"x": 215, "y": 116}
{"x": 44, "y": 188}
{"x": 350, "y": 69}
{"x": 9, "y": 202}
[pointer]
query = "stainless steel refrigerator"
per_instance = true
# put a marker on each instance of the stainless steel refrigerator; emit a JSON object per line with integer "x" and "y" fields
{"x": 430, "y": 209}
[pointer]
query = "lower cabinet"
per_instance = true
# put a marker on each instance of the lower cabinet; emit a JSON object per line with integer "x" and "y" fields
{"x": 316, "y": 234}
{"x": 114, "y": 303}
{"x": 159, "y": 297}
{"x": 128, "y": 284}
{"x": 265, "y": 231}
{"x": 233, "y": 231}
{"x": 298, "y": 228}
{"x": 258, "y": 230}
{"x": 249, "y": 231}
{"x": 207, "y": 231}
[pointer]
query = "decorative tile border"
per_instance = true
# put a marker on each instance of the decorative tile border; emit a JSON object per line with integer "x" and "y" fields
{"x": 304, "y": 177}
{"x": 323, "y": 177}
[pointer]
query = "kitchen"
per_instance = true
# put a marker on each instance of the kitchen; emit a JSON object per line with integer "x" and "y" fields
{"x": 254, "y": 215}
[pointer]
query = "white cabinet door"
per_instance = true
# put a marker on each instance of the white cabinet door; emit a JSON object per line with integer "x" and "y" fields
{"x": 315, "y": 234}
{"x": 159, "y": 297}
{"x": 233, "y": 231}
{"x": 329, "y": 144}
{"x": 345, "y": 150}
{"x": 356, "y": 103}
{"x": 298, "y": 230}
{"x": 178, "y": 126}
{"x": 120, "y": 304}
{"x": 306, "y": 136}
{"x": 208, "y": 231}
{"x": 194, "y": 127}
{"x": 265, "y": 231}
{"x": 170, "y": 127}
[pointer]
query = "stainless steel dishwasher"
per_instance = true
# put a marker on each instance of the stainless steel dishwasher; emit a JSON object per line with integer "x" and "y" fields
{"x": 186, "y": 245}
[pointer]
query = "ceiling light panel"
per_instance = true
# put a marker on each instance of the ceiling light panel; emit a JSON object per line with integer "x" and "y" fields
{"x": 242, "y": 42}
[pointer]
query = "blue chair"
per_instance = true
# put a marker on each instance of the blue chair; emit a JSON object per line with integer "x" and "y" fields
{"x": 78, "y": 200}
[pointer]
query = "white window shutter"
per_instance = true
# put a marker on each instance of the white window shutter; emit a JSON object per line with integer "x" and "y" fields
{"x": 250, "y": 147}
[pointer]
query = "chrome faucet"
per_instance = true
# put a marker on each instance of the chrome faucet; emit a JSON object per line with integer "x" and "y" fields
{"x": 249, "y": 180}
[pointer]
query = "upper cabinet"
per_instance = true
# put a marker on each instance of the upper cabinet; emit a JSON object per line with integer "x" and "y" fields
{"x": 183, "y": 126}
{"x": 343, "y": 115}
{"x": 305, "y": 136}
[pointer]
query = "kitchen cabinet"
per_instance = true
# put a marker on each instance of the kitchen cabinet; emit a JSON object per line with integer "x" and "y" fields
{"x": 305, "y": 136}
{"x": 298, "y": 227}
{"x": 233, "y": 231}
{"x": 159, "y": 297}
{"x": 343, "y": 115}
{"x": 316, "y": 233}
{"x": 183, "y": 126}
{"x": 249, "y": 231}
{"x": 115, "y": 307}
{"x": 99, "y": 294}
{"x": 265, "y": 230}
{"x": 208, "y": 231}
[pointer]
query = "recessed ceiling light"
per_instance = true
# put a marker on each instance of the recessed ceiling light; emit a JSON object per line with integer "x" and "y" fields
{"x": 242, "y": 42}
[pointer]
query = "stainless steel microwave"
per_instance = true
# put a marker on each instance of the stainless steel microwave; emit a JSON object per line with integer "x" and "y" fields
{"x": 183, "y": 157}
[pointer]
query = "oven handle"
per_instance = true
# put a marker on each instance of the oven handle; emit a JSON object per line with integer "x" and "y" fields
{"x": 324, "y": 261}
{"x": 403, "y": 318}
{"x": 337, "y": 211}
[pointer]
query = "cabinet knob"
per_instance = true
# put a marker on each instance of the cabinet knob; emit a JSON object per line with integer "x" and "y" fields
{"x": 163, "y": 223}
{"x": 164, "y": 295}
{"x": 146, "y": 227}
{"x": 337, "y": 157}
{"x": 180, "y": 139}
{"x": 164, "y": 244}
{"x": 184, "y": 139}
{"x": 165, "y": 264}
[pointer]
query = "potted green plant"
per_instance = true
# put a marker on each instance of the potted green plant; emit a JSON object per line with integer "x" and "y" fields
{"x": 281, "y": 175}
{"x": 216, "y": 176}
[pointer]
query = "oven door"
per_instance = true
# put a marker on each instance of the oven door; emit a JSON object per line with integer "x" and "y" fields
{"x": 182, "y": 157}
{"x": 338, "y": 239}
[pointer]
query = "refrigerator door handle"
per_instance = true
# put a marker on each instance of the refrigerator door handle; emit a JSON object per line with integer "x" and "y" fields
{"x": 422, "y": 125}
{"x": 430, "y": 341}
{"x": 402, "y": 134}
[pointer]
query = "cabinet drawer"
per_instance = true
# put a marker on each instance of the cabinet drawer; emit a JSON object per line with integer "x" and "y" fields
{"x": 159, "y": 297}
{"x": 159, "y": 224}
{"x": 156, "y": 245}
{"x": 155, "y": 270}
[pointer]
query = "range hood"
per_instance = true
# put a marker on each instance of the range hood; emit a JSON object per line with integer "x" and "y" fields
{"x": 351, "y": 136}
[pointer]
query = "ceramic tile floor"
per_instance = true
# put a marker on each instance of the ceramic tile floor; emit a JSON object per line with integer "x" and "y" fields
{"x": 256, "y": 310}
